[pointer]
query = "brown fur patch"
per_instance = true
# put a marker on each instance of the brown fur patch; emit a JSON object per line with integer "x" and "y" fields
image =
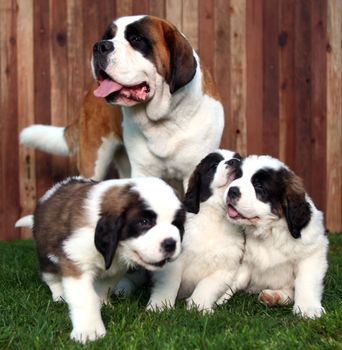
{"x": 97, "y": 120}
{"x": 116, "y": 200}
{"x": 208, "y": 85}
{"x": 56, "y": 218}
{"x": 69, "y": 268}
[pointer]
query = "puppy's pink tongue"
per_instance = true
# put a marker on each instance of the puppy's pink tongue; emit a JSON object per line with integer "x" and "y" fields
{"x": 232, "y": 212}
{"x": 106, "y": 87}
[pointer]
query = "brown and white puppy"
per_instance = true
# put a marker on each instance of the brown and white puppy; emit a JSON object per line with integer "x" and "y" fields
{"x": 172, "y": 114}
{"x": 285, "y": 256}
{"x": 212, "y": 247}
{"x": 88, "y": 234}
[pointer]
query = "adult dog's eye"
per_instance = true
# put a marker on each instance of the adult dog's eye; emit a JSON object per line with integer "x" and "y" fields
{"x": 145, "y": 223}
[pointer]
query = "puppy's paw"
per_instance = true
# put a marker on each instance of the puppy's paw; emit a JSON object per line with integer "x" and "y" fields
{"x": 274, "y": 297}
{"x": 200, "y": 306}
{"x": 84, "y": 335}
{"x": 155, "y": 306}
{"x": 308, "y": 311}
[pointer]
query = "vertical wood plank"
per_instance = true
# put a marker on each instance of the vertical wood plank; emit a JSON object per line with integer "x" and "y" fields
{"x": 206, "y": 33}
{"x": 27, "y": 173}
{"x": 238, "y": 74}
{"x": 9, "y": 123}
{"x": 140, "y": 7}
{"x": 270, "y": 77}
{"x": 334, "y": 117}
{"x": 254, "y": 98}
{"x": 91, "y": 14}
{"x": 107, "y": 13}
{"x": 59, "y": 79}
{"x": 157, "y": 8}
{"x": 286, "y": 41}
{"x": 124, "y": 8}
{"x": 174, "y": 10}
{"x": 318, "y": 100}
{"x": 190, "y": 21}
{"x": 75, "y": 65}
{"x": 42, "y": 83}
{"x": 222, "y": 65}
{"x": 303, "y": 92}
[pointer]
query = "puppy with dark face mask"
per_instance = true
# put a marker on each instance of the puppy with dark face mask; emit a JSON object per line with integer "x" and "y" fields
{"x": 285, "y": 257}
{"x": 212, "y": 247}
{"x": 88, "y": 234}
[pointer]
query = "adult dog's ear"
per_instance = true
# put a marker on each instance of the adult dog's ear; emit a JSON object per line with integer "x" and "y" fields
{"x": 192, "y": 196}
{"x": 182, "y": 61}
{"x": 296, "y": 209}
{"x": 107, "y": 236}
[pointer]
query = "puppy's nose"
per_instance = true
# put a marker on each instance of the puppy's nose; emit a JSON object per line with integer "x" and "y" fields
{"x": 103, "y": 47}
{"x": 233, "y": 162}
{"x": 169, "y": 245}
{"x": 234, "y": 193}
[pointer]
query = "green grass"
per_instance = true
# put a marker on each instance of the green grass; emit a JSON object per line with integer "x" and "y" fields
{"x": 30, "y": 320}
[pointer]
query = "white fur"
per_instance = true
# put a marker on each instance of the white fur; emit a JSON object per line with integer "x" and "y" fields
{"x": 274, "y": 261}
{"x": 46, "y": 138}
{"x": 211, "y": 253}
{"x": 168, "y": 135}
{"x": 25, "y": 221}
{"x": 85, "y": 293}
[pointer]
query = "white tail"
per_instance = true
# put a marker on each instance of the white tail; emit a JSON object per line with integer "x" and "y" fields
{"x": 25, "y": 221}
{"x": 46, "y": 138}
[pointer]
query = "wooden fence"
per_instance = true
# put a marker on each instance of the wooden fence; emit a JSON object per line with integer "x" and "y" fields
{"x": 278, "y": 65}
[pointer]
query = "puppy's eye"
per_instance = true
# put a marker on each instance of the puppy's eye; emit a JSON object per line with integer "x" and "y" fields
{"x": 145, "y": 223}
{"x": 135, "y": 38}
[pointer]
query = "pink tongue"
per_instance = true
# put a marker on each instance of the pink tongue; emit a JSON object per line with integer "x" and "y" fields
{"x": 232, "y": 212}
{"x": 106, "y": 87}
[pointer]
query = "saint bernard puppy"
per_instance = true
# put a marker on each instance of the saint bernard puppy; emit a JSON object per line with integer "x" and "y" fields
{"x": 285, "y": 256}
{"x": 88, "y": 234}
{"x": 212, "y": 247}
{"x": 172, "y": 114}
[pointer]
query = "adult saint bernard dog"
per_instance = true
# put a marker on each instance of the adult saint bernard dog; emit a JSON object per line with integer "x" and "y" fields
{"x": 212, "y": 247}
{"x": 285, "y": 258}
{"x": 88, "y": 234}
{"x": 172, "y": 114}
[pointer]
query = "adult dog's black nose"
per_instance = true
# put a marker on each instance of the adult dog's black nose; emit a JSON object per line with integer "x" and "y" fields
{"x": 103, "y": 47}
{"x": 169, "y": 245}
{"x": 234, "y": 192}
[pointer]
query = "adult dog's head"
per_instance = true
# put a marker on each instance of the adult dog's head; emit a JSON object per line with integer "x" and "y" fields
{"x": 211, "y": 176}
{"x": 266, "y": 192}
{"x": 138, "y": 56}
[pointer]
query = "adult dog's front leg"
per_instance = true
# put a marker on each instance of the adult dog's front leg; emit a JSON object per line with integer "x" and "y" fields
{"x": 84, "y": 308}
{"x": 209, "y": 289}
{"x": 309, "y": 286}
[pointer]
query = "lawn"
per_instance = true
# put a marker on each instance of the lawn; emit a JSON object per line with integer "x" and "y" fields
{"x": 30, "y": 320}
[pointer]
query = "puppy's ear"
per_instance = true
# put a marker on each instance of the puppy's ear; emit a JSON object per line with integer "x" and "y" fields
{"x": 107, "y": 236}
{"x": 192, "y": 195}
{"x": 296, "y": 209}
{"x": 182, "y": 61}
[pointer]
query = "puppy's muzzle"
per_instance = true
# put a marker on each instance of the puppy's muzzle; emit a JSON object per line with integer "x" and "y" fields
{"x": 169, "y": 245}
{"x": 103, "y": 47}
{"x": 234, "y": 193}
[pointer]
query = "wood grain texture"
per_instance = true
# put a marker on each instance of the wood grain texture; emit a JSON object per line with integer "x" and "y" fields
{"x": 238, "y": 73}
{"x": 254, "y": 98}
{"x": 277, "y": 64}
{"x": 9, "y": 122}
{"x": 334, "y": 117}
{"x": 27, "y": 171}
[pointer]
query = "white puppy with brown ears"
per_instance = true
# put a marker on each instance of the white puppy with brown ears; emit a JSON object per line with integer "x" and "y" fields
{"x": 88, "y": 234}
{"x": 212, "y": 247}
{"x": 285, "y": 257}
